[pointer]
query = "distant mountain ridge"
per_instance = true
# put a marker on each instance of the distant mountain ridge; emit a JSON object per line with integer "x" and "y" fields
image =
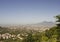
{"x": 38, "y": 26}
{"x": 44, "y": 23}
{"x": 41, "y": 26}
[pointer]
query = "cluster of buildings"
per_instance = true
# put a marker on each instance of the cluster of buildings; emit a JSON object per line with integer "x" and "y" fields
{"x": 7, "y": 36}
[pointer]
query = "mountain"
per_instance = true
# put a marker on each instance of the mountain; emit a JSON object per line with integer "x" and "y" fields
{"x": 42, "y": 26}
{"x": 38, "y": 26}
{"x": 45, "y": 23}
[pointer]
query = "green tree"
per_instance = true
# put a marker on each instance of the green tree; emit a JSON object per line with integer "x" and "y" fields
{"x": 58, "y": 20}
{"x": 58, "y": 27}
{"x": 29, "y": 38}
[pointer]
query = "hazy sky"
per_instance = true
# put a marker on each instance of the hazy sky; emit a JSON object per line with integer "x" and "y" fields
{"x": 28, "y": 11}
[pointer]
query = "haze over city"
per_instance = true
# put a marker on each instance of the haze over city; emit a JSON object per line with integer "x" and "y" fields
{"x": 28, "y": 11}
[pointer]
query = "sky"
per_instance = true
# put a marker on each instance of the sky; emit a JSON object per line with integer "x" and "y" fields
{"x": 28, "y": 11}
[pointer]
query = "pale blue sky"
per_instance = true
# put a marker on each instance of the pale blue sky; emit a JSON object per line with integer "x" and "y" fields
{"x": 28, "y": 11}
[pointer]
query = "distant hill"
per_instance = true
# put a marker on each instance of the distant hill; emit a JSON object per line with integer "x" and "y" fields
{"x": 45, "y": 23}
{"x": 38, "y": 26}
{"x": 41, "y": 26}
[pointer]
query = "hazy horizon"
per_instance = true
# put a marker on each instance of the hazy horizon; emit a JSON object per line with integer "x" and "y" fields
{"x": 28, "y": 11}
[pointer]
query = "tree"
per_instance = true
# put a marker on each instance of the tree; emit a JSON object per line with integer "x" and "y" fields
{"x": 29, "y": 38}
{"x": 58, "y": 20}
{"x": 58, "y": 27}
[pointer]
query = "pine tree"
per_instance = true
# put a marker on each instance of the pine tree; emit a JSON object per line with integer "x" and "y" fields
{"x": 58, "y": 28}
